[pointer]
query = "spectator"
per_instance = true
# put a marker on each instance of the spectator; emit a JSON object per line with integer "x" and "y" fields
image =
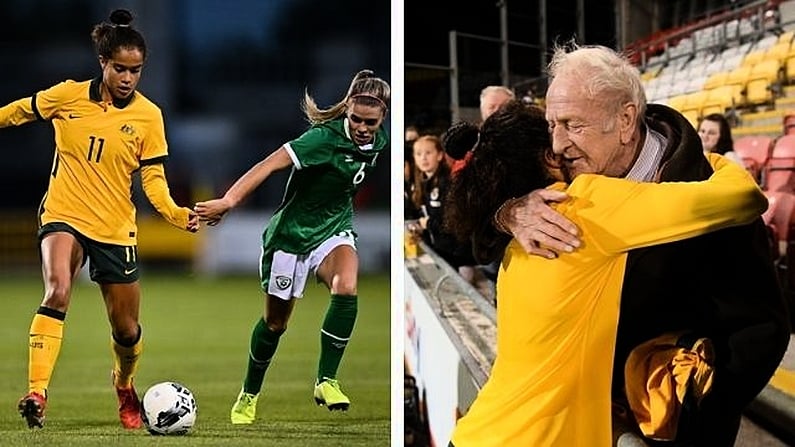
{"x": 716, "y": 136}
{"x": 491, "y": 98}
{"x": 411, "y": 134}
{"x": 431, "y": 180}
{"x": 600, "y": 123}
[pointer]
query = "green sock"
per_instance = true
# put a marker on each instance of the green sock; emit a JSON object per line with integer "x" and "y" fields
{"x": 336, "y": 331}
{"x": 263, "y": 347}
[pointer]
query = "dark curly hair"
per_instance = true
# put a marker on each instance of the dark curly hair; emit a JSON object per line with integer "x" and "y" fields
{"x": 110, "y": 37}
{"x": 508, "y": 161}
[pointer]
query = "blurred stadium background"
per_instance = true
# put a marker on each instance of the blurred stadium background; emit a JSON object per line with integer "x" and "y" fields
{"x": 734, "y": 57}
{"x": 229, "y": 76}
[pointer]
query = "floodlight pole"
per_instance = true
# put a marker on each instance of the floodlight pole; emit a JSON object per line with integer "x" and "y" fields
{"x": 504, "y": 70}
{"x": 455, "y": 116}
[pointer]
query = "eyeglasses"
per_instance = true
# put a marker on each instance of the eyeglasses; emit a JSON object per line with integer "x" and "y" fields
{"x": 359, "y": 120}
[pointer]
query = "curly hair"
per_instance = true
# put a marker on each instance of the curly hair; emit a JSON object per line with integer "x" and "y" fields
{"x": 508, "y": 161}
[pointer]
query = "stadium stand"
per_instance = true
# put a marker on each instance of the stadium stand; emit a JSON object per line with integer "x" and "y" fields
{"x": 741, "y": 63}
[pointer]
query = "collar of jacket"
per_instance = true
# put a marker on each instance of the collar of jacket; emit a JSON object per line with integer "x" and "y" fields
{"x": 683, "y": 159}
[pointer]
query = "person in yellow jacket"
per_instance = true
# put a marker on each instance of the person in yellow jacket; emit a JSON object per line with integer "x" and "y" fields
{"x": 105, "y": 131}
{"x": 556, "y": 319}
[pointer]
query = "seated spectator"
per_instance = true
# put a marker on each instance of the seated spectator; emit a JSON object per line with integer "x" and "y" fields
{"x": 716, "y": 136}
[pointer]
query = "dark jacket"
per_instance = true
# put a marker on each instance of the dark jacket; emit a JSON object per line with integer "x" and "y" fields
{"x": 722, "y": 285}
{"x": 443, "y": 243}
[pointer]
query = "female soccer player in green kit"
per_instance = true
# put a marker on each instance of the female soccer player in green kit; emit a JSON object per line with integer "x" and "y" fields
{"x": 105, "y": 131}
{"x": 312, "y": 231}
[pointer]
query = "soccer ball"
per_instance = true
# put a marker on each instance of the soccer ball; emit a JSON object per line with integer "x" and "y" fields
{"x": 168, "y": 408}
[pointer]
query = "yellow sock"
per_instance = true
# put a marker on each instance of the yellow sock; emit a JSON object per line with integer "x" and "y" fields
{"x": 46, "y": 334}
{"x": 125, "y": 361}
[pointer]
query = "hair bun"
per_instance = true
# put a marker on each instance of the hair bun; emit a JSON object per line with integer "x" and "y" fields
{"x": 121, "y": 17}
{"x": 459, "y": 139}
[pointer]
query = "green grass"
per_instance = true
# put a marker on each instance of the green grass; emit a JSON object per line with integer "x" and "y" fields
{"x": 196, "y": 331}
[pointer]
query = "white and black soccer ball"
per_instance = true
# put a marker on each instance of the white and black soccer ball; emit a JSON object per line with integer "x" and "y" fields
{"x": 168, "y": 408}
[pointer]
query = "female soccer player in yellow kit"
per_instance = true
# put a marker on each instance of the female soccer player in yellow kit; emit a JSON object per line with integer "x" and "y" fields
{"x": 557, "y": 319}
{"x": 104, "y": 132}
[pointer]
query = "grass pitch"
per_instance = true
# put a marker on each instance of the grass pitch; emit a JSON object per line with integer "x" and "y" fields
{"x": 196, "y": 332}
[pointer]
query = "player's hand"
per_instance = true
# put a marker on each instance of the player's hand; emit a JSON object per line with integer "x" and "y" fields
{"x": 538, "y": 228}
{"x": 211, "y": 211}
{"x": 193, "y": 222}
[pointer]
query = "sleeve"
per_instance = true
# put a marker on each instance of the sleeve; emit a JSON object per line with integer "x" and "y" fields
{"x": 312, "y": 148}
{"x": 41, "y": 106}
{"x": 17, "y": 113}
{"x": 153, "y": 179}
{"x": 154, "y": 148}
{"x": 620, "y": 214}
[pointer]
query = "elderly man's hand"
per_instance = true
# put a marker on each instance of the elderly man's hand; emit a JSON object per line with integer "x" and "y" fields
{"x": 538, "y": 228}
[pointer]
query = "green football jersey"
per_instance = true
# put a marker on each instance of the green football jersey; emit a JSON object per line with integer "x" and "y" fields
{"x": 328, "y": 169}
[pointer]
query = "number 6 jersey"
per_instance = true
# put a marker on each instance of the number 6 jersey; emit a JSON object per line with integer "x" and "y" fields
{"x": 328, "y": 168}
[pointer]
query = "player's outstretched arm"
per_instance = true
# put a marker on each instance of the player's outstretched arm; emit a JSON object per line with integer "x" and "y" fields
{"x": 153, "y": 179}
{"x": 212, "y": 211}
{"x": 17, "y": 112}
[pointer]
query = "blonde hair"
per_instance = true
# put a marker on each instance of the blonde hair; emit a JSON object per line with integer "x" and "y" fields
{"x": 365, "y": 89}
{"x": 606, "y": 75}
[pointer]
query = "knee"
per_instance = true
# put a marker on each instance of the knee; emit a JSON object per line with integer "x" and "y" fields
{"x": 57, "y": 293}
{"x": 127, "y": 335}
{"x": 276, "y": 324}
{"x": 344, "y": 285}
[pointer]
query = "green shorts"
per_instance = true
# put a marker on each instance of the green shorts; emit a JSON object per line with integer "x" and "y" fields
{"x": 108, "y": 263}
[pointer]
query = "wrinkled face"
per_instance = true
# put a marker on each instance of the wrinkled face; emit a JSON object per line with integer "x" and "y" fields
{"x": 427, "y": 157}
{"x": 586, "y": 135}
{"x": 363, "y": 122}
{"x": 491, "y": 102}
{"x": 121, "y": 73}
{"x": 709, "y": 131}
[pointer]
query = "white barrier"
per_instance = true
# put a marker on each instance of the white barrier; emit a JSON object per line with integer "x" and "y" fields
{"x": 449, "y": 340}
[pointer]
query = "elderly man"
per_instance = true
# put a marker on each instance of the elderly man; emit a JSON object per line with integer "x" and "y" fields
{"x": 721, "y": 286}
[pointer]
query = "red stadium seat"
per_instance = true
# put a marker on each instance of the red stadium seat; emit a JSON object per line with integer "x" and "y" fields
{"x": 780, "y": 167}
{"x": 754, "y": 150}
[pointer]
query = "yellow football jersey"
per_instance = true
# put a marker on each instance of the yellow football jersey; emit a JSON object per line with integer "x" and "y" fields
{"x": 98, "y": 147}
{"x": 557, "y": 319}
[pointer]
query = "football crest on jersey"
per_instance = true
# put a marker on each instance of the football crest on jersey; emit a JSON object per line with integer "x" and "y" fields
{"x": 128, "y": 129}
{"x": 434, "y": 196}
{"x": 283, "y": 282}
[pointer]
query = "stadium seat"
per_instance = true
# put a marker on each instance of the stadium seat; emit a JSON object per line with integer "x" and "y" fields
{"x": 780, "y": 166}
{"x": 779, "y": 52}
{"x": 739, "y": 79}
{"x": 779, "y": 219}
{"x": 789, "y": 69}
{"x": 719, "y": 99}
{"x": 763, "y": 82}
{"x": 753, "y": 58}
{"x": 677, "y": 102}
{"x": 758, "y": 92}
{"x": 716, "y": 80}
{"x": 789, "y": 124}
{"x": 754, "y": 150}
